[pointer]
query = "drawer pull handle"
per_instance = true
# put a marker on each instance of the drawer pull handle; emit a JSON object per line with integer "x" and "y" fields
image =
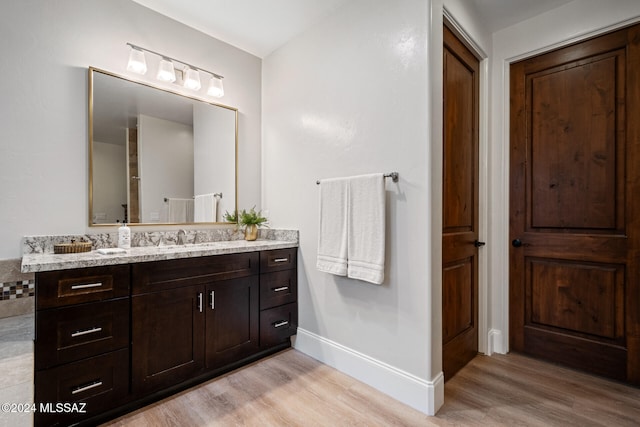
{"x": 213, "y": 300}
{"x": 280, "y": 289}
{"x": 200, "y": 302}
{"x": 280, "y": 324}
{"x": 88, "y": 285}
{"x": 86, "y": 332}
{"x": 86, "y": 387}
{"x": 281, "y": 260}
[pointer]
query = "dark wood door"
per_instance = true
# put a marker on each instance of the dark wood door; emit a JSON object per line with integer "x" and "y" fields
{"x": 168, "y": 337}
{"x": 232, "y": 320}
{"x": 575, "y": 205}
{"x": 460, "y": 206}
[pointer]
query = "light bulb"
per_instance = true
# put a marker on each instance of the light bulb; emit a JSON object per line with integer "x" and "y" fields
{"x": 166, "y": 72}
{"x": 137, "y": 63}
{"x": 192, "y": 79}
{"x": 215, "y": 87}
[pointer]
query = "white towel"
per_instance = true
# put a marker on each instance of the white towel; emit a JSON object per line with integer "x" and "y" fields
{"x": 351, "y": 240}
{"x": 332, "y": 238}
{"x": 366, "y": 228}
{"x": 205, "y": 208}
{"x": 179, "y": 210}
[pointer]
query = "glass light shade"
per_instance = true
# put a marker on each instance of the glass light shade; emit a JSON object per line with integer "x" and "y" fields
{"x": 192, "y": 79}
{"x": 137, "y": 63}
{"x": 166, "y": 72}
{"x": 215, "y": 87}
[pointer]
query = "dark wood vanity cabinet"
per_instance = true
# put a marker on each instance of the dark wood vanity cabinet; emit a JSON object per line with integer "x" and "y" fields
{"x": 278, "y": 296}
{"x": 155, "y": 327}
{"x": 232, "y": 323}
{"x": 192, "y": 315}
{"x": 81, "y": 343}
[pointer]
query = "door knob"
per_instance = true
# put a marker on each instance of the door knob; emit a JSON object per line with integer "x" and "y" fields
{"x": 516, "y": 243}
{"x": 478, "y": 243}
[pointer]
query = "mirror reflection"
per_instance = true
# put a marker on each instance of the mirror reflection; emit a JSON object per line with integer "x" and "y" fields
{"x": 158, "y": 157}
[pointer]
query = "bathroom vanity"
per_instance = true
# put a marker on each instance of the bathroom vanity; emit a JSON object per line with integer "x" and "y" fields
{"x": 116, "y": 332}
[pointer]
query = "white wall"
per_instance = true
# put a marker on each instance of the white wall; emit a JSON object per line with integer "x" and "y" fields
{"x": 213, "y": 156}
{"x": 165, "y": 162}
{"x": 110, "y": 168}
{"x": 48, "y": 46}
{"x": 571, "y": 22}
{"x": 347, "y": 97}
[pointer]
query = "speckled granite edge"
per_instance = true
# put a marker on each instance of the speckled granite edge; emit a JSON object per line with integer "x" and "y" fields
{"x": 148, "y": 246}
{"x": 44, "y": 244}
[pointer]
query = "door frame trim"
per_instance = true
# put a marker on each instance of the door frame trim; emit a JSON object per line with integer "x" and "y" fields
{"x": 500, "y": 127}
{"x": 483, "y": 177}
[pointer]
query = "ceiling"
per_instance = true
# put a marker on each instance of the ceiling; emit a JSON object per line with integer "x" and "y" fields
{"x": 499, "y": 14}
{"x": 256, "y": 26}
{"x": 260, "y": 27}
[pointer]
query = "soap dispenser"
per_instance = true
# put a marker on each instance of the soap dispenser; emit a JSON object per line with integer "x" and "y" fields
{"x": 124, "y": 236}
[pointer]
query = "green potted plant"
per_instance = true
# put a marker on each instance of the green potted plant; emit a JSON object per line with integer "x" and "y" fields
{"x": 251, "y": 221}
{"x": 231, "y": 217}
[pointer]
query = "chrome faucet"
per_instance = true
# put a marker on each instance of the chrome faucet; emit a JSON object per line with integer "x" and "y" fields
{"x": 181, "y": 237}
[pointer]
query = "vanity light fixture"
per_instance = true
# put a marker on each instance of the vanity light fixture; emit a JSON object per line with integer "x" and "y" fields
{"x": 167, "y": 71}
{"x": 137, "y": 63}
{"x": 215, "y": 87}
{"x": 191, "y": 79}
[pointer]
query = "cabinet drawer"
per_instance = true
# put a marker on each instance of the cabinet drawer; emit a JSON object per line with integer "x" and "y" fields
{"x": 278, "y": 288}
{"x": 101, "y": 382}
{"x": 159, "y": 275}
{"x": 66, "y": 287}
{"x": 277, "y": 324}
{"x": 74, "y": 333}
{"x": 278, "y": 260}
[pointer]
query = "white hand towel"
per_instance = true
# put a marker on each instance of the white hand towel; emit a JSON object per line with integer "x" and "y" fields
{"x": 179, "y": 210}
{"x": 366, "y": 228}
{"x": 206, "y": 208}
{"x": 332, "y": 237}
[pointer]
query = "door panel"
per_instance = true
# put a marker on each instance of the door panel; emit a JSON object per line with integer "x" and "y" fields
{"x": 232, "y": 323}
{"x": 574, "y": 220}
{"x": 457, "y": 298}
{"x": 582, "y": 298}
{"x": 167, "y": 336}
{"x": 460, "y": 205}
{"x": 573, "y": 159}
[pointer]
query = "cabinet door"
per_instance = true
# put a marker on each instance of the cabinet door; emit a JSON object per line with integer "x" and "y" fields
{"x": 232, "y": 320}
{"x": 168, "y": 337}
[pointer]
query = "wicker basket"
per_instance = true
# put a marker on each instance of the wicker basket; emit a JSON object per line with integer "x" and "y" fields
{"x": 71, "y": 248}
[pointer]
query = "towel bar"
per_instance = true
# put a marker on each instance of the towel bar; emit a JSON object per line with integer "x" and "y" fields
{"x": 166, "y": 199}
{"x": 392, "y": 175}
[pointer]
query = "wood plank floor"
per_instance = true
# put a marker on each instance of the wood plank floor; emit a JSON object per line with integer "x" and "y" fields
{"x": 292, "y": 389}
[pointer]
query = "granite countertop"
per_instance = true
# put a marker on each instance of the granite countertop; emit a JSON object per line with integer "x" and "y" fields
{"x": 158, "y": 246}
{"x": 32, "y": 263}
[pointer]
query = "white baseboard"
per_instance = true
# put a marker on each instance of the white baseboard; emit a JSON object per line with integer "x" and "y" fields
{"x": 425, "y": 396}
{"x": 496, "y": 342}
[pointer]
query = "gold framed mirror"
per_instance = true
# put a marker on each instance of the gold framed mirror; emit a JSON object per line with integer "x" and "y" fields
{"x": 158, "y": 157}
